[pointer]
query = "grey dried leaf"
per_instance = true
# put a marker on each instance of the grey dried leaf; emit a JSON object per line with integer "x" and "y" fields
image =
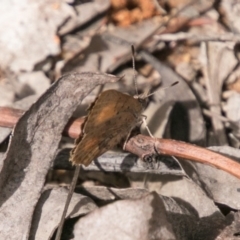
{"x": 111, "y": 194}
{"x": 49, "y": 209}
{"x": 85, "y": 12}
{"x": 124, "y": 162}
{"x": 34, "y": 145}
{"x": 186, "y": 222}
{"x": 232, "y": 231}
{"x": 185, "y": 190}
{"x": 222, "y": 186}
{"x": 148, "y": 217}
{"x": 139, "y": 219}
{"x": 31, "y": 36}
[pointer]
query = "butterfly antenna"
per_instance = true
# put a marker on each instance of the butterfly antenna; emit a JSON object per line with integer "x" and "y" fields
{"x": 175, "y": 83}
{"x": 134, "y": 69}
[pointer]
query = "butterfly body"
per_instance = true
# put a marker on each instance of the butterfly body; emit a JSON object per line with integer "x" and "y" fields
{"x": 110, "y": 119}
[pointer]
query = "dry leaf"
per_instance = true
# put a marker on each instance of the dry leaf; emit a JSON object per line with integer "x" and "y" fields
{"x": 141, "y": 219}
{"x": 223, "y": 187}
{"x": 48, "y": 211}
{"x": 33, "y": 146}
{"x": 31, "y": 36}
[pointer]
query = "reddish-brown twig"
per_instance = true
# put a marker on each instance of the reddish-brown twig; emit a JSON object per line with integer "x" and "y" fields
{"x": 9, "y": 117}
{"x": 135, "y": 145}
{"x": 144, "y": 145}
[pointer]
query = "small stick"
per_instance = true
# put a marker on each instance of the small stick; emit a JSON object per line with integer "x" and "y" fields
{"x": 10, "y": 116}
{"x": 165, "y": 146}
{"x": 180, "y": 36}
{"x": 69, "y": 197}
{"x": 134, "y": 69}
{"x": 137, "y": 145}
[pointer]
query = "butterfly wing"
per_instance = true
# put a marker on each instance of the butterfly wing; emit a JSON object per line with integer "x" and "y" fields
{"x": 111, "y": 118}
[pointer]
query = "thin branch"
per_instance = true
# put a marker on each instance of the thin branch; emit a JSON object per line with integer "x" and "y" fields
{"x": 188, "y": 151}
{"x": 169, "y": 147}
{"x": 199, "y": 38}
{"x": 10, "y": 116}
{"x": 69, "y": 197}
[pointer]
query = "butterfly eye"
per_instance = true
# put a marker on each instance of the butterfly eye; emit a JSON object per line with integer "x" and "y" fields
{"x": 142, "y": 101}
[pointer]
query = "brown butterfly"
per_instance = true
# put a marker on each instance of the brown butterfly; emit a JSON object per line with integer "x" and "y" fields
{"x": 110, "y": 119}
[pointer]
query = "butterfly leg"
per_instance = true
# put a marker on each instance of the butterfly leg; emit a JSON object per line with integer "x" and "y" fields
{"x": 143, "y": 118}
{"x": 125, "y": 142}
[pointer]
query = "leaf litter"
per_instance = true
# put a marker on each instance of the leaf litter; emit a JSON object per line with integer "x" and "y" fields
{"x": 160, "y": 198}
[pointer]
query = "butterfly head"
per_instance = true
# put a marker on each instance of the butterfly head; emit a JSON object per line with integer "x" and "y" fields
{"x": 142, "y": 98}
